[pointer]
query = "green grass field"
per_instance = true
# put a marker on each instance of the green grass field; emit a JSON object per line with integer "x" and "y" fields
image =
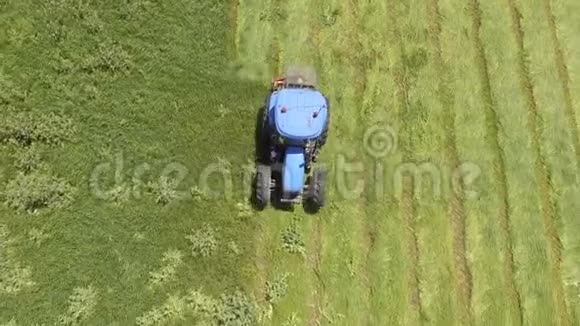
{"x": 127, "y": 144}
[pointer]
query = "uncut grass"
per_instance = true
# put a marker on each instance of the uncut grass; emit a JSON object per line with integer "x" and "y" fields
{"x": 568, "y": 28}
{"x": 151, "y": 116}
{"x": 557, "y": 139}
{"x": 255, "y": 35}
{"x": 486, "y": 244}
{"x": 529, "y": 243}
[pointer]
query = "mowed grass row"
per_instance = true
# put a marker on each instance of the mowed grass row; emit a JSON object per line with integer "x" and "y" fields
{"x": 563, "y": 27}
{"x": 568, "y": 28}
{"x": 558, "y": 141}
{"x": 292, "y": 25}
{"x": 533, "y": 266}
{"x": 423, "y": 213}
{"x": 389, "y": 269}
{"x": 258, "y": 29}
{"x": 496, "y": 296}
{"x": 460, "y": 78}
{"x": 342, "y": 289}
{"x": 343, "y": 286}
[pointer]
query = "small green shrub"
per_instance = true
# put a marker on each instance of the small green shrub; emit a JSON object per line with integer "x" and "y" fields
{"x": 37, "y": 190}
{"x": 203, "y": 242}
{"x": 277, "y": 289}
{"x": 172, "y": 259}
{"x": 204, "y": 307}
{"x": 164, "y": 190}
{"x": 237, "y": 309}
{"x": 292, "y": 240}
{"x": 244, "y": 209}
{"x": 293, "y": 320}
{"x": 234, "y": 248}
{"x": 81, "y": 305}
{"x": 13, "y": 277}
{"x": 233, "y": 309}
{"x": 28, "y": 159}
{"x": 25, "y": 128}
{"x": 173, "y": 309}
{"x": 119, "y": 194}
{"x": 197, "y": 194}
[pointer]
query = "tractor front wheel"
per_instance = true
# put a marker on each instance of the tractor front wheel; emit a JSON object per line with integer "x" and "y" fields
{"x": 263, "y": 181}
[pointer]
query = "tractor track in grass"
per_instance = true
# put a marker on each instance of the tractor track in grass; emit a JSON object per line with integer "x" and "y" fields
{"x": 456, "y": 208}
{"x": 234, "y": 12}
{"x": 407, "y": 201}
{"x": 262, "y": 262}
{"x": 541, "y": 170}
{"x": 315, "y": 261}
{"x": 315, "y": 317}
{"x": 564, "y": 77}
{"x": 499, "y": 164}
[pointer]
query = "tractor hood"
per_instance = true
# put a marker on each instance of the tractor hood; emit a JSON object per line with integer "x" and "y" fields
{"x": 300, "y": 113}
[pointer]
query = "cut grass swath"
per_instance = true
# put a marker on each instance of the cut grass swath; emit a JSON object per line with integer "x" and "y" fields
{"x": 558, "y": 139}
{"x": 457, "y": 211}
{"x": 532, "y": 267}
{"x": 498, "y": 166}
{"x": 541, "y": 170}
{"x": 568, "y": 28}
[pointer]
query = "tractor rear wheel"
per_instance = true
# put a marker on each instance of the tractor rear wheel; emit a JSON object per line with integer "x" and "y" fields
{"x": 263, "y": 181}
{"x": 316, "y": 189}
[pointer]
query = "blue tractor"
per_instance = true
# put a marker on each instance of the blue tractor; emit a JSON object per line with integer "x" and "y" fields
{"x": 293, "y": 128}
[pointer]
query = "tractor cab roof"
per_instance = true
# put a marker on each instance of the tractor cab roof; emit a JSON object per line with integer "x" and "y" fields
{"x": 300, "y": 113}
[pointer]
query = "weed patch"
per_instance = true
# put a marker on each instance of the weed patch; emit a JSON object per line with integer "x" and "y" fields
{"x": 37, "y": 190}
{"x": 172, "y": 259}
{"x": 292, "y": 241}
{"x": 173, "y": 309}
{"x": 203, "y": 242}
{"x": 277, "y": 289}
{"x": 244, "y": 209}
{"x": 13, "y": 277}
{"x": 164, "y": 191}
{"x": 234, "y": 248}
{"x": 81, "y": 305}
{"x": 292, "y": 320}
{"x": 108, "y": 57}
{"x": 23, "y": 129}
{"x": 198, "y": 194}
{"x": 232, "y": 309}
{"x": 28, "y": 159}
{"x": 237, "y": 309}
